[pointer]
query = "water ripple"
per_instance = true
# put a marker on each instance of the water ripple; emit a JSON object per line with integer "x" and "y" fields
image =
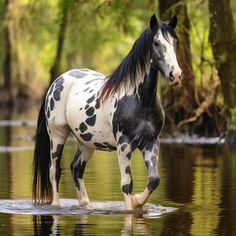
{"x": 70, "y": 207}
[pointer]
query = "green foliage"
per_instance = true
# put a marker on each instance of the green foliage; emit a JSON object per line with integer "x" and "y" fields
{"x": 202, "y": 57}
{"x": 232, "y": 123}
{"x": 99, "y": 34}
{"x": 233, "y": 5}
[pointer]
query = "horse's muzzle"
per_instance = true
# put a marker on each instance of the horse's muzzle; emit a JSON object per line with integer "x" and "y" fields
{"x": 175, "y": 79}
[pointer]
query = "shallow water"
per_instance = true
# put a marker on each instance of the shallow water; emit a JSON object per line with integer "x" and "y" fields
{"x": 196, "y": 196}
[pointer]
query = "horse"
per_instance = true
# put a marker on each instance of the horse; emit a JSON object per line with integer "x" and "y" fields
{"x": 119, "y": 112}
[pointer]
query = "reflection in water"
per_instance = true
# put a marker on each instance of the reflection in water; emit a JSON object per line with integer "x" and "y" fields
{"x": 204, "y": 169}
{"x": 227, "y": 216}
{"x": 46, "y": 225}
{"x": 199, "y": 181}
{"x": 207, "y": 193}
{"x": 134, "y": 224}
{"x": 80, "y": 225}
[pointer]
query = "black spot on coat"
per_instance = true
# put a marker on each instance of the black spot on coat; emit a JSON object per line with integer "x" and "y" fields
{"x": 109, "y": 146}
{"x": 90, "y": 111}
{"x": 153, "y": 183}
{"x": 77, "y": 73}
{"x": 100, "y": 146}
{"x": 83, "y": 127}
{"x": 91, "y": 121}
{"x": 91, "y": 99}
{"x": 97, "y": 105}
{"x": 48, "y": 113}
{"x": 128, "y": 170}
{"x": 128, "y": 188}
{"x": 52, "y": 104}
{"x": 86, "y": 137}
{"x": 58, "y": 88}
{"x": 77, "y": 168}
{"x": 123, "y": 147}
{"x": 58, "y": 151}
{"x": 92, "y": 80}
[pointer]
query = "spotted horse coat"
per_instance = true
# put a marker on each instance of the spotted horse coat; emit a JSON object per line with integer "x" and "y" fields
{"x": 120, "y": 112}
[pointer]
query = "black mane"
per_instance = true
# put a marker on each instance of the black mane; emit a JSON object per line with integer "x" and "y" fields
{"x": 136, "y": 61}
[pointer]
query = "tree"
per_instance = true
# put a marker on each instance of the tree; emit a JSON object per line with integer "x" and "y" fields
{"x": 55, "y": 69}
{"x": 223, "y": 41}
{"x": 7, "y": 61}
{"x": 184, "y": 101}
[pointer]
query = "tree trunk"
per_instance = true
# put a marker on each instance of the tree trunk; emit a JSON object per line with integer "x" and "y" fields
{"x": 55, "y": 69}
{"x": 223, "y": 41}
{"x": 7, "y": 61}
{"x": 182, "y": 102}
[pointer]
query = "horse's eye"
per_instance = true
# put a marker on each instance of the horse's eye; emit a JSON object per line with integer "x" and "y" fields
{"x": 156, "y": 44}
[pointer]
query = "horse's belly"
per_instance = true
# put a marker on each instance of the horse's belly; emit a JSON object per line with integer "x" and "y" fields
{"x": 98, "y": 136}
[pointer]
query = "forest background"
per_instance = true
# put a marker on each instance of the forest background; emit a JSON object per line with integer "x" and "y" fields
{"x": 41, "y": 39}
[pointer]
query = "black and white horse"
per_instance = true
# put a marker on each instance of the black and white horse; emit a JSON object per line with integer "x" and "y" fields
{"x": 119, "y": 112}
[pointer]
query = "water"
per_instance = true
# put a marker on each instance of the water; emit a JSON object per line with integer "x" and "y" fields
{"x": 196, "y": 196}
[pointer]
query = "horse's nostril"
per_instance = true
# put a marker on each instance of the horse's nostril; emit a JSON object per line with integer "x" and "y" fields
{"x": 171, "y": 76}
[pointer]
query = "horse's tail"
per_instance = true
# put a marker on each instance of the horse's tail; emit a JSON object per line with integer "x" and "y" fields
{"x": 41, "y": 189}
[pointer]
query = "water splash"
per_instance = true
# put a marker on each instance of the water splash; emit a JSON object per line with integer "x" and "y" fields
{"x": 71, "y": 207}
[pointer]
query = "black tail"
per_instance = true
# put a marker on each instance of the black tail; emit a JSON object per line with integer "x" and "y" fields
{"x": 42, "y": 189}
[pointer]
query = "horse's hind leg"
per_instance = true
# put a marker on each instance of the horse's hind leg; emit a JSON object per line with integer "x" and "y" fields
{"x": 58, "y": 136}
{"x": 150, "y": 155}
{"x": 78, "y": 165}
{"x": 124, "y": 154}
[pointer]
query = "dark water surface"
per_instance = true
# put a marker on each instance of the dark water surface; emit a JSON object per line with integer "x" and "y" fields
{"x": 199, "y": 181}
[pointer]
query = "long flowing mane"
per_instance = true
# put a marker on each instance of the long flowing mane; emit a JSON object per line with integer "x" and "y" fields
{"x": 135, "y": 61}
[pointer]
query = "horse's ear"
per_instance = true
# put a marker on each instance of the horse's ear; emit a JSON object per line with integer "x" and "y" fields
{"x": 173, "y": 21}
{"x": 153, "y": 22}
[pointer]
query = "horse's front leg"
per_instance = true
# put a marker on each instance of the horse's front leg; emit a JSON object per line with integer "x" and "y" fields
{"x": 150, "y": 155}
{"x": 124, "y": 154}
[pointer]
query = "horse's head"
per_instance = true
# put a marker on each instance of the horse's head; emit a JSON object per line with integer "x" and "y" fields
{"x": 163, "y": 55}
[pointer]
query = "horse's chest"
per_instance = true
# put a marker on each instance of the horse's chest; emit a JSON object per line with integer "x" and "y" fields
{"x": 137, "y": 122}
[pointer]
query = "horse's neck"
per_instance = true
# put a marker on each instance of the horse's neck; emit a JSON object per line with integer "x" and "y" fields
{"x": 147, "y": 88}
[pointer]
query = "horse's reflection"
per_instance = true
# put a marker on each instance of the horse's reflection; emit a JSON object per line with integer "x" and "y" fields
{"x": 46, "y": 225}
{"x": 134, "y": 224}
{"x": 52, "y": 225}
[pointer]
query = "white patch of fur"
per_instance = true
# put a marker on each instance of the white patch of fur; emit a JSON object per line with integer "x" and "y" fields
{"x": 170, "y": 54}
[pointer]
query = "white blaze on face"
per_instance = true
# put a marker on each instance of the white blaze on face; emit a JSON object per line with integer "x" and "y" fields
{"x": 169, "y": 52}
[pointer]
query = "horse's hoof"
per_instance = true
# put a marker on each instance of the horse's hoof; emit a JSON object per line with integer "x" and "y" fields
{"x": 84, "y": 202}
{"x": 135, "y": 202}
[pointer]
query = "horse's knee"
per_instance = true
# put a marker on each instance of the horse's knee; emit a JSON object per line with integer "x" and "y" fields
{"x": 153, "y": 183}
